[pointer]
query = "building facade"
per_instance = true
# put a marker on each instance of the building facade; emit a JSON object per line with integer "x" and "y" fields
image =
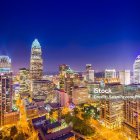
{"x": 124, "y": 77}
{"x": 42, "y": 90}
{"x": 136, "y": 70}
{"x": 89, "y": 73}
{"x": 131, "y": 124}
{"x": 36, "y": 61}
{"x": 111, "y": 111}
{"x": 5, "y": 88}
{"x": 24, "y": 80}
{"x": 80, "y": 95}
{"x": 110, "y": 73}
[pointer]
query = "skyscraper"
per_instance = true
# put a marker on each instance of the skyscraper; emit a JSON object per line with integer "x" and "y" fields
{"x": 5, "y": 87}
{"x": 124, "y": 77}
{"x": 89, "y": 73}
{"x": 111, "y": 110}
{"x": 36, "y": 61}
{"x": 24, "y": 80}
{"x": 5, "y": 64}
{"x": 136, "y": 70}
{"x": 88, "y": 67}
{"x": 62, "y": 74}
{"x": 131, "y": 124}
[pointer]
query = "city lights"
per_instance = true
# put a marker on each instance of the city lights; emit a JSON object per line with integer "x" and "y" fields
{"x": 69, "y": 70}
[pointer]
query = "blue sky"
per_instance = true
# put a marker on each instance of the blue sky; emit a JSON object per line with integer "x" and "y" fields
{"x": 103, "y": 33}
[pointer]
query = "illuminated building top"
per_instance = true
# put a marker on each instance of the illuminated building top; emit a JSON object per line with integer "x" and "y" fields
{"x": 5, "y": 64}
{"x": 70, "y": 70}
{"x": 136, "y": 70}
{"x": 36, "y": 44}
{"x": 88, "y": 67}
{"x": 138, "y": 57}
{"x": 36, "y": 62}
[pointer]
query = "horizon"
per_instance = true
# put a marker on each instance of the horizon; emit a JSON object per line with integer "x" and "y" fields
{"x": 104, "y": 34}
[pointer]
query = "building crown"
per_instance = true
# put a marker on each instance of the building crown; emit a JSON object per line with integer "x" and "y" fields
{"x": 138, "y": 57}
{"x": 36, "y": 44}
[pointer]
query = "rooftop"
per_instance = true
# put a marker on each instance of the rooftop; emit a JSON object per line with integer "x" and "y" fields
{"x": 36, "y": 44}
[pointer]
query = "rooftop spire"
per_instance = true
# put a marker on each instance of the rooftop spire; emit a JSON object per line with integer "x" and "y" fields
{"x": 36, "y": 44}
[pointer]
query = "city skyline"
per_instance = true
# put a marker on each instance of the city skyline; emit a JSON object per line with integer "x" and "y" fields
{"x": 98, "y": 33}
{"x": 69, "y": 70}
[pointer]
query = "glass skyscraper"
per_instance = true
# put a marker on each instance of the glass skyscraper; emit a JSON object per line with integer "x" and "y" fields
{"x": 36, "y": 61}
{"x": 136, "y": 70}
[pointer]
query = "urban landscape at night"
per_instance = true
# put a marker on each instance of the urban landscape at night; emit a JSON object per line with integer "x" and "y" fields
{"x": 70, "y": 70}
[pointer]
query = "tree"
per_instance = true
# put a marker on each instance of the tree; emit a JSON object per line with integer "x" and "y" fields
{"x": 81, "y": 127}
{"x": 76, "y": 111}
{"x": 86, "y": 116}
{"x": 20, "y": 136}
{"x": 7, "y": 138}
{"x": 1, "y": 136}
{"x": 13, "y": 131}
{"x": 65, "y": 110}
{"x": 68, "y": 118}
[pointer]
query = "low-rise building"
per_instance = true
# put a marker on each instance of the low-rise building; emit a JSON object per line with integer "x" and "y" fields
{"x": 11, "y": 118}
{"x": 41, "y": 89}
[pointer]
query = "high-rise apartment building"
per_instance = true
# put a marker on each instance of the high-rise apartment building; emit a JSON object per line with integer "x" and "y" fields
{"x": 5, "y": 87}
{"x": 62, "y": 72}
{"x": 66, "y": 76}
{"x": 5, "y": 64}
{"x": 24, "y": 78}
{"x": 69, "y": 83}
{"x": 111, "y": 110}
{"x": 88, "y": 67}
{"x": 124, "y": 77}
{"x": 136, "y": 70}
{"x": 131, "y": 123}
{"x": 89, "y": 73}
{"x": 36, "y": 61}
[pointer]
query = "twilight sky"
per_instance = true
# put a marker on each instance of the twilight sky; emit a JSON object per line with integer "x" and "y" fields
{"x": 105, "y": 33}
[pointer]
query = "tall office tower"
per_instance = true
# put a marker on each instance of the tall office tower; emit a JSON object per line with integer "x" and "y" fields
{"x": 136, "y": 70}
{"x": 111, "y": 110}
{"x": 69, "y": 85}
{"x": 62, "y": 76}
{"x": 69, "y": 81}
{"x": 62, "y": 73}
{"x": 36, "y": 61}
{"x": 124, "y": 77}
{"x": 63, "y": 68}
{"x": 5, "y": 87}
{"x": 88, "y": 67}
{"x": 24, "y": 80}
{"x": 66, "y": 80}
{"x": 5, "y": 64}
{"x": 110, "y": 73}
{"x": 131, "y": 123}
{"x": 89, "y": 73}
